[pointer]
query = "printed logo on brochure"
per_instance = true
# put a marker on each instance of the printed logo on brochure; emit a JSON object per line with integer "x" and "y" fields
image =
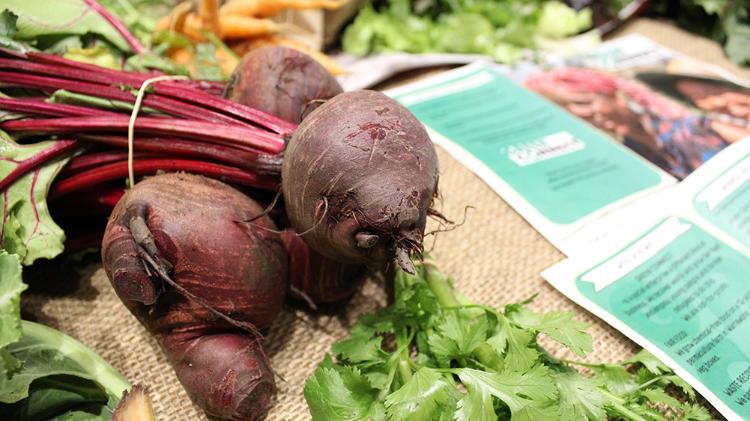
{"x": 548, "y": 147}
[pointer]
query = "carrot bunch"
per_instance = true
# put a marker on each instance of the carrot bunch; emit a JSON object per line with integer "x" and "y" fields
{"x": 242, "y": 25}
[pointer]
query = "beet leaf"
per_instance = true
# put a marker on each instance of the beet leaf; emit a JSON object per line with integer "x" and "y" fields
{"x": 67, "y": 17}
{"x": 26, "y": 227}
{"x": 10, "y": 310}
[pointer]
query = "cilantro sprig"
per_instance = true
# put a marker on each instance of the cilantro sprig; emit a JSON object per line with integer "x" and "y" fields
{"x": 433, "y": 355}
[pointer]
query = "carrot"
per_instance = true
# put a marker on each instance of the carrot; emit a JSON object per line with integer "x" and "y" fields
{"x": 230, "y": 26}
{"x": 208, "y": 11}
{"x": 266, "y": 8}
{"x": 175, "y": 21}
{"x": 181, "y": 56}
{"x": 234, "y": 26}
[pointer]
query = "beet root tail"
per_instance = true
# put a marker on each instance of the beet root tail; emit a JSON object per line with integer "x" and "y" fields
{"x": 403, "y": 258}
{"x": 130, "y": 276}
{"x": 227, "y": 374}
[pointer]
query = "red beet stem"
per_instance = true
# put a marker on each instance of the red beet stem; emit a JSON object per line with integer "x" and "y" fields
{"x": 119, "y": 26}
{"x": 208, "y": 86}
{"x": 81, "y": 242}
{"x": 159, "y": 102}
{"x": 135, "y": 78}
{"x": 92, "y": 160}
{"x": 119, "y": 170}
{"x": 186, "y": 91}
{"x": 101, "y": 198}
{"x": 37, "y": 106}
{"x": 241, "y": 158}
{"x": 96, "y": 75}
{"x": 60, "y": 147}
{"x": 235, "y": 109}
{"x": 201, "y": 130}
{"x": 109, "y": 198}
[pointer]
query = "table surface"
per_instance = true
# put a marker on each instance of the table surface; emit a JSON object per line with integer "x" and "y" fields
{"x": 495, "y": 258}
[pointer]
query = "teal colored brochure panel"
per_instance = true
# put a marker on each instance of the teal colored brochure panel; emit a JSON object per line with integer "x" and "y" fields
{"x": 688, "y": 293}
{"x": 726, "y": 202}
{"x": 561, "y": 165}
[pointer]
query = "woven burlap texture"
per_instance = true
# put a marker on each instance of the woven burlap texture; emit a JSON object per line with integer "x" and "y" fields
{"x": 495, "y": 258}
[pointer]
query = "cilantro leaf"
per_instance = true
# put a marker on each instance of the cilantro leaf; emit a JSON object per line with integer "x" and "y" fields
{"x": 683, "y": 385}
{"x": 660, "y": 396}
{"x": 421, "y": 398}
{"x": 548, "y": 412}
{"x": 466, "y": 334}
{"x": 652, "y": 364}
{"x": 558, "y": 326}
{"x": 26, "y": 227}
{"x": 456, "y": 336}
{"x": 515, "y": 389}
{"x": 380, "y": 322}
{"x": 615, "y": 378}
{"x": 476, "y": 405}
{"x": 515, "y": 344}
{"x": 579, "y": 397}
{"x": 341, "y": 393}
{"x": 694, "y": 412}
{"x": 427, "y": 358}
{"x": 362, "y": 347}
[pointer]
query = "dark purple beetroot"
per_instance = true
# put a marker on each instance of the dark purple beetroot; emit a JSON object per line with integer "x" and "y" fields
{"x": 192, "y": 226}
{"x": 281, "y": 81}
{"x": 318, "y": 279}
{"x": 358, "y": 177}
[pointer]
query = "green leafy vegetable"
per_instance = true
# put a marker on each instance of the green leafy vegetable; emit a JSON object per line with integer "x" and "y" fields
{"x": 558, "y": 20}
{"x": 8, "y": 31}
{"x": 59, "y": 377}
{"x": 37, "y": 18}
{"x": 433, "y": 356}
{"x": 725, "y": 21}
{"x": 501, "y": 30}
{"x": 73, "y": 29}
{"x": 10, "y": 298}
{"x": 342, "y": 393}
{"x": 98, "y": 55}
{"x": 26, "y": 227}
{"x": 579, "y": 397}
{"x": 425, "y": 396}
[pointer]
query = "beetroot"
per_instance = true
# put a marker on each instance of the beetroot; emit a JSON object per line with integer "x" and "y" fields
{"x": 291, "y": 84}
{"x": 281, "y": 81}
{"x": 229, "y": 276}
{"x": 317, "y": 279}
{"x": 358, "y": 178}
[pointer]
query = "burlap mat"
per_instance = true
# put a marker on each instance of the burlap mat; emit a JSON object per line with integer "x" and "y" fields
{"x": 495, "y": 258}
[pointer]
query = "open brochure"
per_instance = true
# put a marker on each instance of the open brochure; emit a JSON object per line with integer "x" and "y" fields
{"x": 638, "y": 172}
{"x": 566, "y": 145}
{"x": 556, "y": 170}
{"x": 673, "y": 274}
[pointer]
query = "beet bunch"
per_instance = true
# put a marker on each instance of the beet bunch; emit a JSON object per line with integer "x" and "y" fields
{"x": 278, "y": 182}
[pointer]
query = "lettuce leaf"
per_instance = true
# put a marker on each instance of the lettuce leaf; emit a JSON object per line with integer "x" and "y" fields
{"x": 501, "y": 30}
{"x": 559, "y": 21}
